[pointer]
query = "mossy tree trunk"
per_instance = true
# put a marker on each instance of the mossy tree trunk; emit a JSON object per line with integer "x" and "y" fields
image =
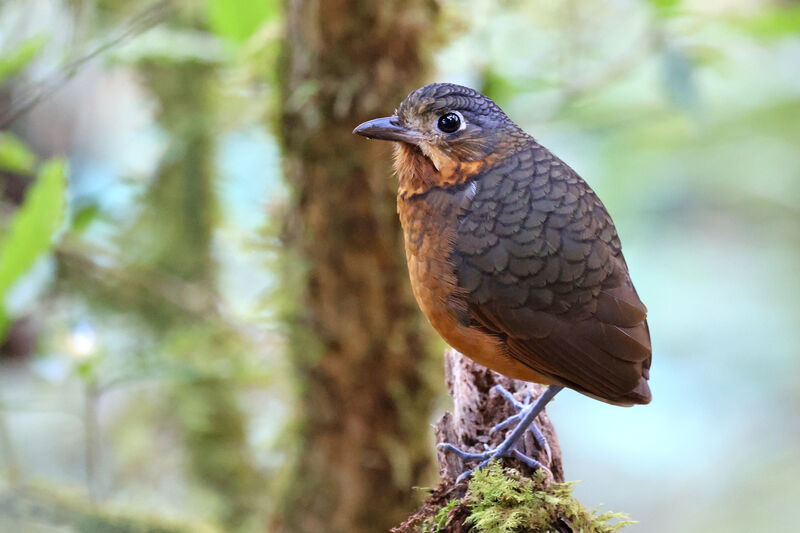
{"x": 357, "y": 345}
{"x": 174, "y": 237}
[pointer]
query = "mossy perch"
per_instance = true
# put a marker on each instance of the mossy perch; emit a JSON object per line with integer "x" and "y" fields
{"x": 501, "y": 498}
{"x": 477, "y": 408}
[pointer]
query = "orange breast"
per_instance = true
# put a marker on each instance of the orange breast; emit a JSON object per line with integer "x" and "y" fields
{"x": 429, "y": 228}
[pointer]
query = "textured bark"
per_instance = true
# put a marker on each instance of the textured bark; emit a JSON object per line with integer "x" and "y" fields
{"x": 357, "y": 347}
{"x": 476, "y": 409}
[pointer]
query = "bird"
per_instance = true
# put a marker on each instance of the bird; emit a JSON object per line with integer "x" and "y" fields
{"x": 512, "y": 257}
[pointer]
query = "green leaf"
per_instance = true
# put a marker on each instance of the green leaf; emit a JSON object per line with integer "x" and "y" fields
{"x": 14, "y": 155}
{"x": 84, "y": 217}
{"x": 666, "y": 8}
{"x": 238, "y": 20}
{"x": 32, "y": 229}
{"x": 665, "y": 4}
{"x": 87, "y": 369}
{"x": 773, "y": 23}
{"x": 14, "y": 61}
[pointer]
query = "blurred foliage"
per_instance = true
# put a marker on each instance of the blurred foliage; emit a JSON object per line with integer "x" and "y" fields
{"x": 14, "y": 155}
{"x": 151, "y": 381}
{"x": 666, "y": 8}
{"x": 774, "y": 22}
{"x": 63, "y": 510}
{"x": 15, "y": 60}
{"x": 32, "y": 230}
{"x": 238, "y": 20}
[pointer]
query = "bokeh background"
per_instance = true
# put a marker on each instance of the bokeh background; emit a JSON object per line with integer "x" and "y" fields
{"x": 205, "y": 314}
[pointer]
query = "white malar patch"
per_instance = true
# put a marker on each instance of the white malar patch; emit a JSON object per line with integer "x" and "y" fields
{"x": 438, "y": 159}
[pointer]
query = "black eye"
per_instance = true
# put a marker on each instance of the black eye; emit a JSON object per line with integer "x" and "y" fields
{"x": 449, "y": 122}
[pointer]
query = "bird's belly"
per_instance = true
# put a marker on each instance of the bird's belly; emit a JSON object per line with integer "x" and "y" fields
{"x": 429, "y": 225}
{"x": 433, "y": 282}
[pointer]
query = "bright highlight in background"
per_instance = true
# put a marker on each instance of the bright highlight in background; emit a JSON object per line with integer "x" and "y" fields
{"x": 82, "y": 341}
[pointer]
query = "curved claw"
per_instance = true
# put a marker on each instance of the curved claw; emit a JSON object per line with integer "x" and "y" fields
{"x": 541, "y": 441}
{"x": 530, "y": 461}
{"x": 466, "y": 473}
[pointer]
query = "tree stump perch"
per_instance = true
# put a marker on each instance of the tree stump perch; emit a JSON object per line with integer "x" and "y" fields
{"x": 477, "y": 407}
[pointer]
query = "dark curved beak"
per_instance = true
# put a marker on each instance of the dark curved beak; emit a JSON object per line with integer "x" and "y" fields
{"x": 386, "y": 129}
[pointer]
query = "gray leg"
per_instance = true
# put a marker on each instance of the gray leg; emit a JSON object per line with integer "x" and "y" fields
{"x": 541, "y": 441}
{"x": 525, "y": 418}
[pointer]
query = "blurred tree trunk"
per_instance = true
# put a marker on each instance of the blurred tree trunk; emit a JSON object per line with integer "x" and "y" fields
{"x": 357, "y": 347}
{"x": 173, "y": 236}
{"x": 166, "y": 276}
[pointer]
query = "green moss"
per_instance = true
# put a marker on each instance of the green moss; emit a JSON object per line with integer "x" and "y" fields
{"x": 441, "y": 519}
{"x": 503, "y": 501}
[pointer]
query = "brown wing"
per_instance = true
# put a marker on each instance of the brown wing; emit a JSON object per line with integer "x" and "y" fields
{"x": 538, "y": 264}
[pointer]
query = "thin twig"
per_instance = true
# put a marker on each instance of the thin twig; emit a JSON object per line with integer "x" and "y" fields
{"x": 33, "y": 95}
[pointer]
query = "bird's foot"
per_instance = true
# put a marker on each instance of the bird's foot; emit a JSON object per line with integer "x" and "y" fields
{"x": 540, "y": 439}
{"x": 527, "y": 413}
{"x": 487, "y": 456}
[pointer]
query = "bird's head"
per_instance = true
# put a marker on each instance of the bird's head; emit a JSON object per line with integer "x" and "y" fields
{"x": 457, "y": 129}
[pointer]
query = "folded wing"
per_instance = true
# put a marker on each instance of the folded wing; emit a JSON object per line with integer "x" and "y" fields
{"x": 539, "y": 265}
